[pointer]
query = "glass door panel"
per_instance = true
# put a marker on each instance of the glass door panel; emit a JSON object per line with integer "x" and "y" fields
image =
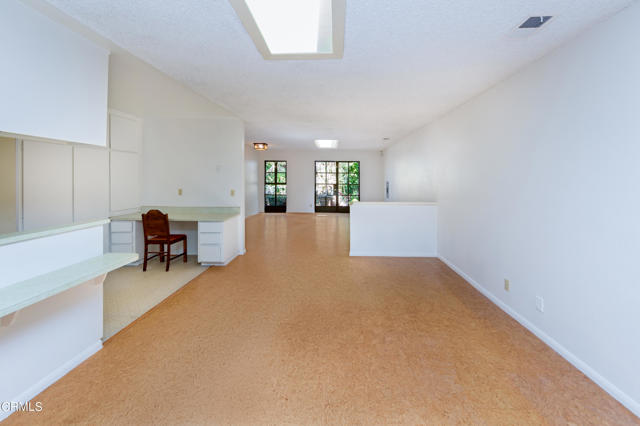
{"x": 337, "y": 184}
{"x": 275, "y": 186}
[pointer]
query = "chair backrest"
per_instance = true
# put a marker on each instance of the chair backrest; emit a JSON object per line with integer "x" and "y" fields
{"x": 155, "y": 224}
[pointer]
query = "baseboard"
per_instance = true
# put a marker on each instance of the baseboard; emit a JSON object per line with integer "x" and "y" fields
{"x": 357, "y": 253}
{"x": 610, "y": 388}
{"x": 54, "y": 376}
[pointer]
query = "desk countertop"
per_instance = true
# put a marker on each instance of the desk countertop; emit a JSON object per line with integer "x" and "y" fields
{"x": 186, "y": 214}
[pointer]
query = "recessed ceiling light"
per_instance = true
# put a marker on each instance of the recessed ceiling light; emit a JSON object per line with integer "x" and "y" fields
{"x": 535, "y": 22}
{"x": 294, "y": 29}
{"x": 326, "y": 143}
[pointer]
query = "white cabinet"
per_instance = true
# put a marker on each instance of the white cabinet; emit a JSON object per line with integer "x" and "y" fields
{"x": 127, "y": 237}
{"x": 210, "y": 242}
{"x": 90, "y": 183}
{"x": 217, "y": 241}
{"x": 47, "y": 185}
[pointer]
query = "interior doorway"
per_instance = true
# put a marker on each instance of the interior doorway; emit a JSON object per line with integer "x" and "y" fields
{"x": 337, "y": 185}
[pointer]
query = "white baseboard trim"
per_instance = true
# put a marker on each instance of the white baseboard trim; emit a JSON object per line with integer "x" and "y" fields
{"x": 610, "y": 388}
{"x": 54, "y": 376}
{"x": 391, "y": 254}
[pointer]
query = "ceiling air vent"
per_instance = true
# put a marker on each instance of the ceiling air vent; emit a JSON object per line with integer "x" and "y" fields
{"x": 535, "y": 22}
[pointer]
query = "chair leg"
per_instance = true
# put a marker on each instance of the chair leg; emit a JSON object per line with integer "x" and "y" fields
{"x": 161, "y": 253}
{"x": 184, "y": 250}
{"x": 168, "y": 256}
{"x": 146, "y": 251}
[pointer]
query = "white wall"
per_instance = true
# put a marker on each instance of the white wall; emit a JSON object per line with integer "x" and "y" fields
{"x": 188, "y": 142}
{"x": 301, "y": 174}
{"x": 54, "y": 81}
{"x": 201, "y": 156}
{"x": 399, "y": 229}
{"x": 409, "y": 168}
{"x": 251, "y": 185}
{"x": 537, "y": 182}
{"x": 8, "y": 195}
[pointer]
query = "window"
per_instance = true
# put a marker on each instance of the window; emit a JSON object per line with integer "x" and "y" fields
{"x": 275, "y": 186}
{"x": 337, "y": 185}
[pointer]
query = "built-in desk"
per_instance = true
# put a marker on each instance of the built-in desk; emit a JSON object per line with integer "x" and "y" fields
{"x": 214, "y": 229}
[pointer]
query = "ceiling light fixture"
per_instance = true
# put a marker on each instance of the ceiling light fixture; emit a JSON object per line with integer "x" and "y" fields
{"x": 260, "y": 146}
{"x": 326, "y": 143}
{"x": 294, "y": 29}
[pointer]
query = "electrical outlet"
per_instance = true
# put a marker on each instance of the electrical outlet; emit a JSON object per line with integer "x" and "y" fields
{"x": 506, "y": 285}
{"x": 233, "y": 192}
{"x": 540, "y": 303}
{"x": 179, "y": 191}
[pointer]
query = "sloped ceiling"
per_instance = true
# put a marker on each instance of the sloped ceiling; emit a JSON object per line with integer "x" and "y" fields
{"x": 405, "y": 61}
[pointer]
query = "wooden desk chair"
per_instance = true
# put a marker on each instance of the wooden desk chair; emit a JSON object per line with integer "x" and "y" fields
{"x": 156, "y": 231}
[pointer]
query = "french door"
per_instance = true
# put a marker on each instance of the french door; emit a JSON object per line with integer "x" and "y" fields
{"x": 275, "y": 186}
{"x": 337, "y": 185}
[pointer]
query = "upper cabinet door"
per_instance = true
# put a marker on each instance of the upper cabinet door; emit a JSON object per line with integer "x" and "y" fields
{"x": 124, "y": 132}
{"x": 90, "y": 183}
{"x": 47, "y": 185}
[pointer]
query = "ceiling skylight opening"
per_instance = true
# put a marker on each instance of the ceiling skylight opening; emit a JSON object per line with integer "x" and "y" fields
{"x": 326, "y": 143}
{"x": 294, "y": 29}
{"x": 291, "y": 26}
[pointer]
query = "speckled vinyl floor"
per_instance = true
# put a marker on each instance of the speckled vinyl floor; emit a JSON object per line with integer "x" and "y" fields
{"x": 297, "y": 332}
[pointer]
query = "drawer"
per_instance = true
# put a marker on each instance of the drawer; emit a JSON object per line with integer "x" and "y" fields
{"x": 210, "y": 226}
{"x": 121, "y": 248}
{"x": 209, "y": 238}
{"x": 209, "y": 253}
{"x": 121, "y": 226}
{"x": 121, "y": 238}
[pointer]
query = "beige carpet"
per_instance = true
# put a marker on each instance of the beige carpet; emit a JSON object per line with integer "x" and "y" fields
{"x": 297, "y": 332}
{"x": 129, "y": 292}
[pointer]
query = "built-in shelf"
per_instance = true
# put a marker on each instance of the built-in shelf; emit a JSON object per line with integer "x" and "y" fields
{"x": 17, "y": 237}
{"x": 25, "y": 293}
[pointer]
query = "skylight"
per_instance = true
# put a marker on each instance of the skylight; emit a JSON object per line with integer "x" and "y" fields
{"x": 326, "y": 143}
{"x": 294, "y": 29}
{"x": 289, "y": 26}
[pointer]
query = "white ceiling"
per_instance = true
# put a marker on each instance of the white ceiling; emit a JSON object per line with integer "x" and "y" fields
{"x": 405, "y": 61}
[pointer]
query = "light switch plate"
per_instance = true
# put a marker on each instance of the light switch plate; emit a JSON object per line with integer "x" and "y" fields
{"x": 506, "y": 285}
{"x": 540, "y": 303}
